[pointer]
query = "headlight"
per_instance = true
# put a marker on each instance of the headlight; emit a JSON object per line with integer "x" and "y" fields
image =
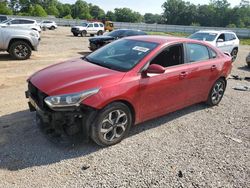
{"x": 33, "y": 34}
{"x": 69, "y": 100}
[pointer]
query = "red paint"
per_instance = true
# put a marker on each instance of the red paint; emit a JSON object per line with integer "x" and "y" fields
{"x": 150, "y": 95}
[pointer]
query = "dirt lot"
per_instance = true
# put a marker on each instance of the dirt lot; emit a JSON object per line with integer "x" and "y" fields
{"x": 194, "y": 147}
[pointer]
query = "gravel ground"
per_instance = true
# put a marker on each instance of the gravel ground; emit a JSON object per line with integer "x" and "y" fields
{"x": 194, "y": 147}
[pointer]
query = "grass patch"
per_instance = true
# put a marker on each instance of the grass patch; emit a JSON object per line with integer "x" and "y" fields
{"x": 245, "y": 41}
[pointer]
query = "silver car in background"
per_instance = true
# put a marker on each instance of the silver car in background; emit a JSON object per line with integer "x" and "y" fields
{"x": 21, "y": 23}
{"x": 18, "y": 42}
{"x": 48, "y": 24}
{"x": 226, "y": 41}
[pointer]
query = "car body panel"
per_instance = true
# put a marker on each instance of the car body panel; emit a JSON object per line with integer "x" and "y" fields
{"x": 150, "y": 95}
{"x": 8, "y": 34}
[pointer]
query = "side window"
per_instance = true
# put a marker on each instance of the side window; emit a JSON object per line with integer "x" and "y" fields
{"x": 172, "y": 55}
{"x": 197, "y": 52}
{"x": 96, "y": 25}
{"x": 101, "y": 25}
{"x": 90, "y": 25}
{"x": 26, "y": 22}
{"x": 230, "y": 36}
{"x": 15, "y": 22}
{"x": 213, "y": 54}
{"x": 222, "y": 36}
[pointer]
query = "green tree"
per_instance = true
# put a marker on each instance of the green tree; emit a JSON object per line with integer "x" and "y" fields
{"x": 80, "y": 10}
{"x": 153, "y": 18}
{"x": 4, "y": 9}
{"x": 38, "y": 11}
{"x": 96, "y": 12}
{"x": 110, "y": 16}
{"x": 52, "y": 10}
{"x": 127, "y": 15}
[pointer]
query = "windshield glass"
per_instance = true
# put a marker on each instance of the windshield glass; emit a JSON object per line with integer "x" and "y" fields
{"x": 84, "y": 24}
{"x": 204, "y": 36}
{"x": 121, "y": 55}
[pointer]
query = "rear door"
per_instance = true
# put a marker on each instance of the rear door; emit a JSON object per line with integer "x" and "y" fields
{"x": 202, "y": 67}
{"x": 231, "y": 41}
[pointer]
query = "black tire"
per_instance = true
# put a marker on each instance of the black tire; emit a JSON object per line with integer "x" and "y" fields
{"x": 20, "y": 50}
{"x": 234, "y": 54}
{"x": 100, "y": 33}
{"x": 52, "y": 28}
{"x": 216, "y": 93}
{"x": 83, "y": 33}
{"x": 92, "y": 35}
{"x": 75, "y": 34}
{"x": 103, "y": 131}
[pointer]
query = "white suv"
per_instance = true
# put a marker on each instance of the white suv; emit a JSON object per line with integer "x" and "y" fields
{"x": 226, "y": 41}
{"x": 21, "y": 23}
{"x": 48, "y": 24}
{"x": 94, "y": 28}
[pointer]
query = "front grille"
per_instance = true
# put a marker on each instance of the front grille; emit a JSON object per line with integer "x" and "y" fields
{"x": 37, "y": 95}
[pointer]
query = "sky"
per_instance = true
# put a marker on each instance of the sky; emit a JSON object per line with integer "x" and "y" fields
{"x": 142, "y": 6}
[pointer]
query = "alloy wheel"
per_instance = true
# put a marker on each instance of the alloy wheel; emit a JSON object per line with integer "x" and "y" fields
{"x": 114, "y": 125}
{"x": 21, "y": 51}
{"x": 217, "y": 92}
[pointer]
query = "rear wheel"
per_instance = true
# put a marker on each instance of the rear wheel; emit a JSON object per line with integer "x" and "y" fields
{"x": 83, "y": 33}
{"x": 52, "y": 28}
{"x": 234, "y": 54}
{"x": 100, "y": 33}
{"x": 20, "y": 50}
{"x": 216, "y": 92}
{"x": 112, "y": 124}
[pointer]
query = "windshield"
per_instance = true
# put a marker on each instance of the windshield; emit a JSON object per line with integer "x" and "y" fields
{"x": 84, "y": 24}
{"x": 121, "y": 55}
{"x": 204, "y": 36}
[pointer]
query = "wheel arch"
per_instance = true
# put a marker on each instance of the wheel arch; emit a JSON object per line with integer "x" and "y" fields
{"x": 19, "y": 39}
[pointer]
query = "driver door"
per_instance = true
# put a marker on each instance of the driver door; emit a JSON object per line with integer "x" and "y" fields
{"x": 166, "y": 92}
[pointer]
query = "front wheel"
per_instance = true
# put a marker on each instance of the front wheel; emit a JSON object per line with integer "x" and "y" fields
{"x": 112, "y": 124}
{"x": 20, "y": 50}
{"x": 100, "y": 33}
{"x": 83, "y": 33}
{"x": 52, "y": 28}
{"x": 216, "y": 92}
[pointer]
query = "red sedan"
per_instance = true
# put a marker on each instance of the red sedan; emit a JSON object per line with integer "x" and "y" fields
{"x": 129, "y": 81}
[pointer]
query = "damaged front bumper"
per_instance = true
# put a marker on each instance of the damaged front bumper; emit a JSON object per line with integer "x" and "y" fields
{"x": 71, "y": 123}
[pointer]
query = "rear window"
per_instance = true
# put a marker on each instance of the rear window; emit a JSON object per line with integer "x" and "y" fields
{"x": 96, "y": 25}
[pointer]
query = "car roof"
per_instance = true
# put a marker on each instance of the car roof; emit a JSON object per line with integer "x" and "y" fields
{"x": 22, "y": 19}
{"x": 161, "y": 39}
{"x": 215, "y": 31}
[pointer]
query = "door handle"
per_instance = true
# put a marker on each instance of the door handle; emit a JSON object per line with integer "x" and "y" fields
{"x": 183, "y": 75}
{"x": 213, "y": 67}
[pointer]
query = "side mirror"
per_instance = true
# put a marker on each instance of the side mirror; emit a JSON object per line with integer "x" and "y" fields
{"x": 155, "y": 69}
{"x": 220, "y": 40}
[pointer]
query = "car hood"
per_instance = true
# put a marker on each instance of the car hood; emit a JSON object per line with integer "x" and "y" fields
{"x": 79, "y": 27}
{"x": 73, "y": 76}
{"x": 101, "y": 38}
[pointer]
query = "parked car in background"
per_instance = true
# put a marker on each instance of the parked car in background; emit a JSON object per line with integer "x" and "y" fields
{"x": 92, "y": 28}
{"x": 21, "y": 22}
{"x": 3, "y": 18}
{"x": 126, "y": 82}
{"x": 18, "y": 42}
{"x": 248, "y": 60}
{"x": 99, "y": 41}
{"x": 227, "y": 41}
{"x": 48, "y": 24}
